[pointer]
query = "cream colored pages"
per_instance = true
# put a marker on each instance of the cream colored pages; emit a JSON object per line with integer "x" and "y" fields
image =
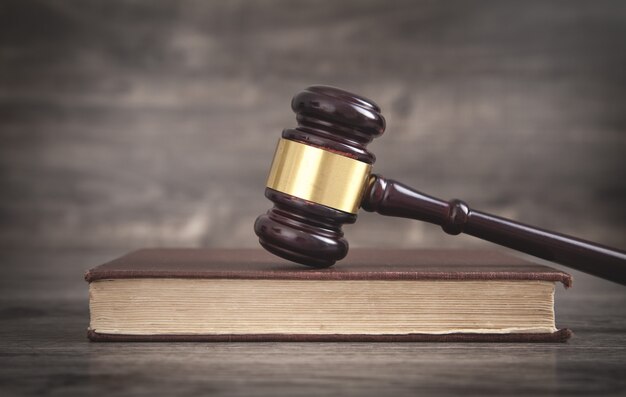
{"x": 219, "y": 306}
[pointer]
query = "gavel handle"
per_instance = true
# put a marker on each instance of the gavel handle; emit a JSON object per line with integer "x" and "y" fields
{"x": 389, "y": 197}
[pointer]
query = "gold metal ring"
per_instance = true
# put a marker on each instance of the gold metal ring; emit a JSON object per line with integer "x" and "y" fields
{"x": 317, "y": 175}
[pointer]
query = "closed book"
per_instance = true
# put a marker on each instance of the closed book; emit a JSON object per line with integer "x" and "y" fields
{"x": 373, "y": 295}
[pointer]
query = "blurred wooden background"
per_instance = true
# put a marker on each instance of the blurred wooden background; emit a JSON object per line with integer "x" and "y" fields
{"x": 136, "y": 123}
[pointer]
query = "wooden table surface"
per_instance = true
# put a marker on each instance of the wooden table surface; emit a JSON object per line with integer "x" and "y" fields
{"x": 44, "y": 315}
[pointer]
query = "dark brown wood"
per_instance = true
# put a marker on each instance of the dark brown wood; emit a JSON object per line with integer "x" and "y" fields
{"x": 389, "y": 197}
{"x": 338, "y": 121}
{"x": 310, "y": 233}
{"x": 303, "y": 231}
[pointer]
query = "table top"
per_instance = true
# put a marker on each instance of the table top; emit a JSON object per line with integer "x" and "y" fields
{"x": 44, "y": 316}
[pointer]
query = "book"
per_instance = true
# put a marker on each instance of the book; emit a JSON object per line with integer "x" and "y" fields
{"x": 373, "y": 295}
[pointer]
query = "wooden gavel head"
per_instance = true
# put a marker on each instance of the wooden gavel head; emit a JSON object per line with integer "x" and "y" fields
{"x": 321, "y": 175}
{"x": 318, "y": 176}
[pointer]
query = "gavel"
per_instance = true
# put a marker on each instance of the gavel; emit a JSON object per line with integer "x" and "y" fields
{"x": 321, "y": 175}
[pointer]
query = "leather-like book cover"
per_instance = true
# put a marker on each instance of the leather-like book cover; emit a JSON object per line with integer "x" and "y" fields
{"x": 361, "y": 264}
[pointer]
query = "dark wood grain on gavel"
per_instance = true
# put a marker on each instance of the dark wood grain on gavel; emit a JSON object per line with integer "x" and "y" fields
{"x": 300, "y": 230}
{"x": 310, "y": 233}
{"x": 392, "y": 198}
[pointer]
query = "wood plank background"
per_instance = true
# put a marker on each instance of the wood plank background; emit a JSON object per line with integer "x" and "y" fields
{"x": 137, "y": 123}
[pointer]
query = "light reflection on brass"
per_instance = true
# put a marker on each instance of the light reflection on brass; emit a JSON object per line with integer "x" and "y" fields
{"x": 317, "y": 175}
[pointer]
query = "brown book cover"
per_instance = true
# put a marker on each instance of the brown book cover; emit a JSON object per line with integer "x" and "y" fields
{"x": 361, "y": 264}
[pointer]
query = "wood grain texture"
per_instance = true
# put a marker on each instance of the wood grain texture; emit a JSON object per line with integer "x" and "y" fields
{"x": 392, "y": 198}
{"x": 44, "y": 315}
{"x": 138, "y": 123}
